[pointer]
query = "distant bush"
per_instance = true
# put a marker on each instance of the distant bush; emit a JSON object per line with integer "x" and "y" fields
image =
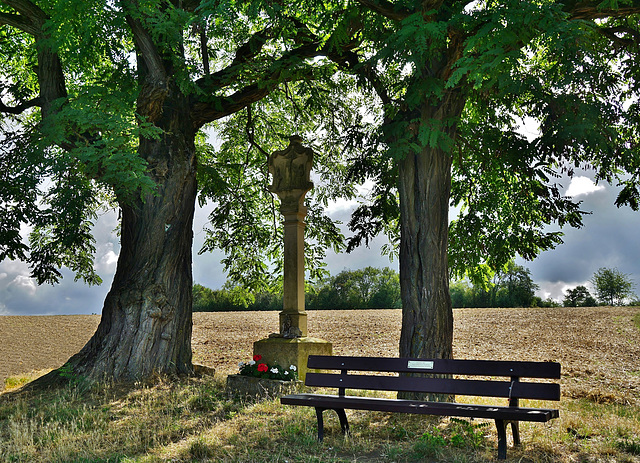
{"x": 367, "y": 288}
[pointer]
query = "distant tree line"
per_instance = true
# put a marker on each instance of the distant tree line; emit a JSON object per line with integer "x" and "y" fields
{"x": 374, "y": 288}
{"x": 368, "y": 288}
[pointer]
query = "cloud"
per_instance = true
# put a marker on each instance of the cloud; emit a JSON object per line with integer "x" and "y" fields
{"x": 25, "y": 284}
{"x": 607, "y": 239}
{"x": 20, "y": 295}
{"x": 106, "y": 263}
{"x": 558, "y": 290}
{"x": 582, "y": 186}
{"x": 346, "y": 206}
{"x": 341, "y": 205}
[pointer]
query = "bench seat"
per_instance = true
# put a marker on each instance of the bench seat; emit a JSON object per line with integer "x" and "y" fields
{"x": 331, "y": 402}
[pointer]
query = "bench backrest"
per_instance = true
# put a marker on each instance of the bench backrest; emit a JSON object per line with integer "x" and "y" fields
{"x": 511, "y": 388}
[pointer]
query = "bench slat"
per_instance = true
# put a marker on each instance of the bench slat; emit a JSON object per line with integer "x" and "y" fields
{"x": 486, "y": 388}
{"x": 549, "y": 370}
{"x": 417, "y": 407}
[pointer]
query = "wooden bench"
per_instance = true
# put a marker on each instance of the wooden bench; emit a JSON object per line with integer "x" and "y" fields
{"x": 510, "y": 387}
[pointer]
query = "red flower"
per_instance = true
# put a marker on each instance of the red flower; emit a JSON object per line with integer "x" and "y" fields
{"x": 262, "y": 367}
{"x": 257, "y": 358}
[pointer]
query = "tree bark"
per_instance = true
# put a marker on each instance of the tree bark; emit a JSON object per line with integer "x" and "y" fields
{"x": 425, "y": 190}
{"x": 146, "y": 319}
{"x": 427, "y": 321}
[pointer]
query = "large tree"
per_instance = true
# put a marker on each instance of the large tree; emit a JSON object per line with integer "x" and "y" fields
{"x": 104, "y": 102}
{"x": 457, "y": 80}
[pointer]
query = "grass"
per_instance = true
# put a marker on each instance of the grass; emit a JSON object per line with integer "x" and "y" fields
{"x": 193, "y": 420}
{"x": 636, "y": 320}
{"x": 15, "y": 382}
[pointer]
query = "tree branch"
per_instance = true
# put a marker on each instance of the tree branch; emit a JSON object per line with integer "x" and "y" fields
{"x": 218, "y": 107}
{"x": 51, "y": 80}
{"x": 22, "y": 107}
{"x": 244, "y": 54}
{"x": 252, "y": 47}
{"x": 19, "y": 22}
{"x": 209, "y": 109}
{"x": 351, "y": 63}
{"x": 29, "y": 10}
{"x": 204, "y": 49}
{"x": 147, "y": 48}
{"x": 386, "y": 9}
{"x": 589, "y": 10}
{"x": 611, "y": 33}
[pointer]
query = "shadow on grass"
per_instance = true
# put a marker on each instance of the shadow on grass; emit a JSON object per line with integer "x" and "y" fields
{"x": 192, "y": 419}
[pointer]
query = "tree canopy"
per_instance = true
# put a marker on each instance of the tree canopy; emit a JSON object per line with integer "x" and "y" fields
{"x": 104, "y": 104}
{"x": 456, "y": 82}
{"x": 612, "y": 286}
{"x": 579, "y": 297}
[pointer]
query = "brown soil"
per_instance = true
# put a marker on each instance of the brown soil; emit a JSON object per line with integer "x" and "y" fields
{"x": 599, "y": 348}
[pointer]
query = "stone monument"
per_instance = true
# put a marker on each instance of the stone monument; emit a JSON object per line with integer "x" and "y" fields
{"x": 291, "y": 171}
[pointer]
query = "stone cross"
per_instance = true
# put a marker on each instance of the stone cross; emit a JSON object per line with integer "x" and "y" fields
{"x": 291, "y": 170}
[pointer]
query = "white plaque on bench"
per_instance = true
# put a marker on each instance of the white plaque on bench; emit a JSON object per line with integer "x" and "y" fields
{"x": 420, "y": 364}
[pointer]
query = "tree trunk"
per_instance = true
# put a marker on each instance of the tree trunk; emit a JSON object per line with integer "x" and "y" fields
{"x": 146, "y": 320}
{"x": 425, "y": 190}
{"x": 427, "y": 320}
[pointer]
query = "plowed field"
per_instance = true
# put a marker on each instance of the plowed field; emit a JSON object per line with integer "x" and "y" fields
{"x": 599, "y": 348}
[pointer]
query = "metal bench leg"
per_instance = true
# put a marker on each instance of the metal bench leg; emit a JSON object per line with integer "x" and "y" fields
{"x": 501, "y": 426}
{"x": 344, "y": 424}
{"x": 319, "y": 411}
{"x": 515, "y": 429}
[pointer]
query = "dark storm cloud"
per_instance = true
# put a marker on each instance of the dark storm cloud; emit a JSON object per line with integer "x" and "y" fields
{"x": 20, "y": 295}
{"x": 609, "y": 238}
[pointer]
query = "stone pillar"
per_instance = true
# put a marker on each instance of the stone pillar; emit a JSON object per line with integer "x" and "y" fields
{"x": 291, "y": 171}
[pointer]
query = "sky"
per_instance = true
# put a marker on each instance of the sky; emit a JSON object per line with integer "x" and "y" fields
{"x": 609, "y": 239}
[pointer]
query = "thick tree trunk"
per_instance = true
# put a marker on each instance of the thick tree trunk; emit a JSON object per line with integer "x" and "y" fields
{"x": 146, "y": 320}
{"x": 427, "y": 319}
{"x": 425, "y": 189}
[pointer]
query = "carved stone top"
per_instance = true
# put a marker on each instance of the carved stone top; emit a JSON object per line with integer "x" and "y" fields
{"x": 291, "y": 169}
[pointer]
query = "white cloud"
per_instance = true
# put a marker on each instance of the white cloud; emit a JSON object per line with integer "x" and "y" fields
{"x": 341, "y": 205}
{"x": 3, "y": 275}
{"x": 109, "y": 261}
{"x": 582, "y": 186}
{"x": 344, "y": 205}
{"x": 25, "y": 283}
{"x": 558, "y": 290}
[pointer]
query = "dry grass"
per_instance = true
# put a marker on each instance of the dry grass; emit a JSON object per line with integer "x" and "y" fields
{"x": 192, "y": 420}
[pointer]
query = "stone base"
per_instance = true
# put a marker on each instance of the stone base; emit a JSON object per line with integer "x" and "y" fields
{"x": 294, "y": 351}
{"x": 251, "y": 388}
{"x": 203, "y": 370}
